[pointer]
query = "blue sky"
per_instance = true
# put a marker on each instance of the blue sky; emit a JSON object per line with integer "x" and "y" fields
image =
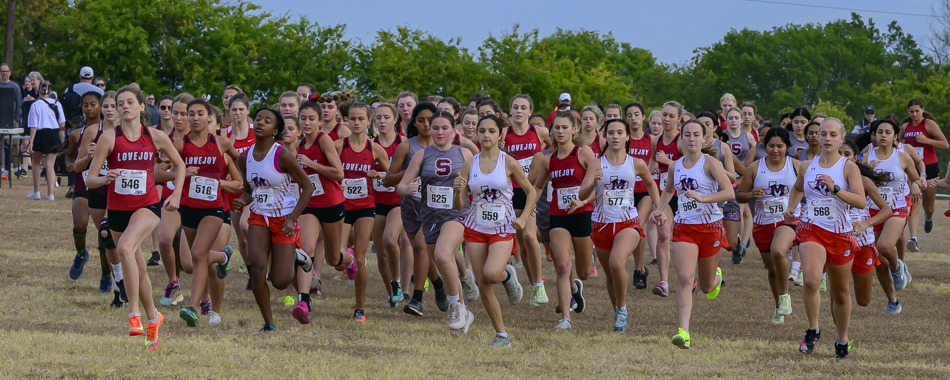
{"x": 669, "y": 29}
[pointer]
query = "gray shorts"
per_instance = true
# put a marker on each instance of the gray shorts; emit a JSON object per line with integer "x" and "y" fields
{"x": 410, "y": 209}
{"x": 730, "y": 211}
{"x": 544, "y": 220}
{"x": 433, "y": 221}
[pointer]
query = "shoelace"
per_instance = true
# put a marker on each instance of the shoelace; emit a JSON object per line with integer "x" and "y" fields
{"x": 152, "y": 331}
{"x": 454, "y": 313}
{"x": 135, "y": 323}
{"x": 169, "y": 290}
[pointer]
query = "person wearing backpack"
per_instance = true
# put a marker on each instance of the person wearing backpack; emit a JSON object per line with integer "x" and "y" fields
{"x": 71, "y": 99}
{"x": 45, "y": 120}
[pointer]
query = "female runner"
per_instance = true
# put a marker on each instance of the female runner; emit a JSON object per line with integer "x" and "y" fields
{"x": 742, "y": 145}
{"x": 405, "y": 104}
{"x": 567, "y": 167}
{"x": 640, "y": 146}
{"x": 92, "y": 109}
{"x": 831, "y": 184}
{"x": 134, "y": 203}
{"x": 814, "y": 148}
{"x": 726, "y": 102}
{"x": 800, "y": 119}
{"x": 175, "y": 256}
{"x": 273, "y": 227}
{"x": 242, "y": 138}
{"x": 468, "y": 125}
{"x": 616, "y": 222}
{"x": 329, "y": 113}
{"x": 922, "y": 133}
{"x": 698, "y": 234}
{"x": 768, "y": 183}
{"x": 289, "y": 104}
{"x": 666, "y": 151}
{"x": 613, "y": 111}
{"x": 592, "y": 121}
{"x": 490, "y": 223}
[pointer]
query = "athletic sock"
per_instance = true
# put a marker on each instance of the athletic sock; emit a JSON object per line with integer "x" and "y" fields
{"x": 796, "y": 265}
{"x": 106, "y": 273}
{"x": 303, "y": 297}
{"x": 453, "y": 299}
{"x": 135, "y": 315}
{"x": 623, "y": 308}
{"x": 81, "y": 251}
{"x": 507, "y": 277}
{"x": 117, "y": 270}
{"x": 438, "y": 283}
{"x": 153, "y": 321}
{"x": 417, "y": 295}
{"x": 538, "y": 284}
{"x": 503, "y": 335}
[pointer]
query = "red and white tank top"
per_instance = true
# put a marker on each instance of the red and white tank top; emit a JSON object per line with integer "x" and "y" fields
{"x": 382, "y": 194}
{"x": 866, "y": 237}
{"x": 491, "y": 209}
{"x": 522, "y": 147}
{"x": 642, "y": 149}
{"x": 326, "y": 192}
{"x": 695, "y": 178}
{"x": 672, "y": 152}
{"x": 270, "y": 186}
{"x": 241, "y": 146}
{"x": 895, "y": 190}
{"x": 822, "y": 208}
{"x": 615, "y": 199}
{"x": 567, "y": 174}
{"x": 355, "y": 184}
{"x": 770, "y": 208}
{"x": 203, "y": 190}
{"x": 135, "y": 160}
{"x": 926, "y": 152}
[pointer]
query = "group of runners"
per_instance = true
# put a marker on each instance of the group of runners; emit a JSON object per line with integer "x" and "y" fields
{"x": 463, "y": 197}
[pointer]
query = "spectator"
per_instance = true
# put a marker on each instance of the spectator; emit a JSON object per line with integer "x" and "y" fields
{"x": 46, "y": 121}
{"x": 5, "y": 82}
{"x": 29, "y": 89}
{"x": 563, "y": 104}
{"x": 101, "y": 83}
{"x": 865, "y": 125}
{"x": 85, "y": 83}
{"x": 34, "y": 78}
{"x": 150, "y": 99}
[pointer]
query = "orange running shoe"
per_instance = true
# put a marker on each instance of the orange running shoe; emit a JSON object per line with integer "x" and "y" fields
{"x": 151, "y": 340}
{"x": 135, "y": 326}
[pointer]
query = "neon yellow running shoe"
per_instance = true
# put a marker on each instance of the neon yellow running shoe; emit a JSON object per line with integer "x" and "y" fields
{"x": 289, "y": 301}
{"x": 427, "y": 285}
{"x": 681, "y": 339}
{"x": 778, "y": 318}
{"x": 715, "y": 292}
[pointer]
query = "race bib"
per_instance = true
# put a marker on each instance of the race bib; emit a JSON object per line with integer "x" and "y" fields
{"x": 440, "y": 197}
{"x": 566, "y": 195}
{"x": 550, "y": 191}
{"x": 490, "y": 215}
{"x": 294, "y": 190}
{"x": 663, "y": 178}
{"x": 355, "y": 188}
{"x": 317, "y": 185}
{"x": 170, "y": 185}
{"x": 378, "y": 185}
{"x": 418, "y": 182}
{"x": 920, "y": 152}
{"x": 888, "y": 194}
{"x": 264, "y": 197}
{"x": 131, "y": 182}
{"x": 822, "y": 210}
{"x": 617, "y": 200}
{"x": 105, "y": 168}
{"x": 85, "y": 174}
{"x": 689, "y": 207}
{"x": 203, "y": 188}
{"x": 775, "y": 206}
{"x": 525, "y": 164}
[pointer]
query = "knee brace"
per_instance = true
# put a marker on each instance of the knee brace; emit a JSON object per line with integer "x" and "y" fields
{"x": 106, "y": 234}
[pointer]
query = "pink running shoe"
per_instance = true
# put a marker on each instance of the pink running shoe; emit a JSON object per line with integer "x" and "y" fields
{"x": 302, "y": 313}
{"x": 353, "y": 269}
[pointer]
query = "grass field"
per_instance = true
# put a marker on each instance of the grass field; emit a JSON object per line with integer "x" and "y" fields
{"x": 52, "y": 327}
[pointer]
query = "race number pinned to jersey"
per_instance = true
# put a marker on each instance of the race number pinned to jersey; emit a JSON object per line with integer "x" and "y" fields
{"x": 203, "y": 188}
{"x": 566, "y": 195}
{"x": 888, "y": 194}
{"x": 526, "y": 164}
{"x": 550, "y": 191}
{"x": 264, "y": 197}
{"x": 920, "y": 151}
{"x": 491, "y": 215}
{"x": 775, "y": 206}
{"x": 689, "y": 207}
{"x": 131, "y": 182}
{"x": 294, "y": 190}
{"x": 618, "y": 200}
{"x": 355, "y": 188}
{"x": 378, "y": 185}
{"x": 317, "y": 184}
{"x": 440, "y": 197}
{"x": 822, "y": 210}
{"x": 663, "y": 178}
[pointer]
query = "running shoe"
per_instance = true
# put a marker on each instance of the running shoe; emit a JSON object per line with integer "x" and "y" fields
{"x": 223, "y": 269}
{"x": 907, "y": 275}
{"x": 242, "y": 268}
{"x": 799, "y": 279}
{"x": 170, "y": 290}
{"x": 893, "y": 307}
{"x": 70, "y": 193}
{"x": 513, "y": 288}
{"x": 808, "y": 344}
{"x": 681, "y": 339}
{"x": 121, "y": 286}
{"x": 715, "y": 292}
{"x": 841, "y": 349}
{"x": 135, "y": 326}
{"x": 189, "y": 315}
{"x": 105, "y": 285}
{"x": 214, "y": 318}
{"x": 557, "y": 309}
{"x": 579, "y": 296}
{"x": 289, "y": 301}
{"x": 620, "y": 320}
{"x": 640, "y": 278}
{"x": 694, "y": 284}
{"x": 397, "y": 295}
{"x": 662, "y": 289}
{"x": 898, "y": 276}
{"x": 155, "y": 260}
{"x": 500, "y": 342}
{"x": 117, "y": 299}
{"x": 205, "y": 307}
{"x": 519, "y": 265}
{"x": 79, "y": 262}
{"x": 928, "y": 225}
{"x": 538, "y": 295}
{"x": 469, "y": 287}
{"x": 460, "y": 319}
{"x": 778, "y": 318}
{"x": 414, "y": 307}
{"x": 563, "y": 324}
{"x": 653, "y": 262}
{"x": 785, "y": 304}
{"x": 248, "y": 286}
{"x": 301, "y": 260}
{"x": 21, "y": 172}
{"x": 353, "y": 269}
{"x": 178, "y": 300}
{"x": 426, "y": 286}
{"x": 267, "y": 329}
{"x": 792, "y": 274}
{"x": 912, "y": 245}
{"x": 359, "y": 316}
{"x": 823, "y": 286}
{"x": 737, "y": 254}
{"x": 151, "y": 340}
{"x": 316, "y": 286}
{"x": 34, "y": 195}
{"x": 302, "y": 312}
{"x": 593, "y": 270}
{"x": 441, "y": 299}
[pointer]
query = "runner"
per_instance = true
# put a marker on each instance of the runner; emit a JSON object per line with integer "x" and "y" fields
{"x": 742, "y": 144}
{"x": 800, "y": 118}
{"x": 92, "y": 109}
{"x": 452, "y": 106}
{"x": 666, "y": 151}
{"x": 405, "y": 104}
{"x": 655, "y": 124}
{"x": 866, "y": 255}
{"x": 730, "y": 209}
{"x": 921, "y": 132}
{"x": 825, "y": 232}
{"x": 329, "y": 115}
{"x": 613, "y": 111}
{"x": 289, "y": 104}
{"x": 814, "y": 148}
{"x": 273, "y": 228}
{"x": 640, "y": 146}
{"x": 570, "y": 218}
{"x": 768, "y": 183}
{"x": 167, "y": 125}
{"x": 538, "y": 121}
{"x": 616, "y": 222}
{"x": 698, "y": 234}
{"x": 468, "y": 125}
{"x": 749, "y": 121}
{"x": 226, "y": 95}
{"x": 134, "y": 202}
{"x": 522, "y": 141}
{"x": 726, "y": 102}
{"x": 360, "y": 158}
{"x": 490, "y": 224}
{"x": 592, "y": 122}
{"x": 901, "y": 183}
{"x": 487, "y": 106}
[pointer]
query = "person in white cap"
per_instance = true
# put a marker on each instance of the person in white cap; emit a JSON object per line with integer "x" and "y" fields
{"x": 563, "y": 104}
{"x": 85, "y": 82}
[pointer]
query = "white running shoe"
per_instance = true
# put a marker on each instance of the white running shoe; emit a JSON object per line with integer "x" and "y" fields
{"x": 513, "y": 288}
{"x": 564, "y": 324}
{"x": 48, "y": 197}
{"x": 181, "y": 298}
{"x": 214, "y": 317}
{"x": 35, "y": 195}
{"x": 469, "y": 287}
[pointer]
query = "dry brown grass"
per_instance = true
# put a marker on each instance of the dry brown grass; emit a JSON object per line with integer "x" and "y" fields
{"x": 51, "y": 326}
